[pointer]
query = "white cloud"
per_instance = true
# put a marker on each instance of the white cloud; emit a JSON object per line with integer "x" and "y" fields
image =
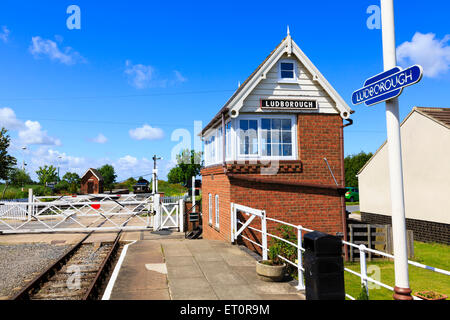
{"x": 127, "y": 162}
{"x": 428, "y": 51}
{"x": 4, "y": 34}
{"x": 100, "y": 138}
{"x": 45, "y": 47}
{"x": 8, "y": 119}
{"x": 30, "y": 132}
{"x": 145, "y": 76}
{"x": 33, "y": 134}
{"x": 146, "y": 132}
{"x": 140, "y": 76}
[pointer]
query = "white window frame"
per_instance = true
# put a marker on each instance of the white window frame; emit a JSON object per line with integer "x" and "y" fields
{"x": 228, "y": 140}
{"x": 210, "y": 209}
{"x": 287, "y": 80}
{"x": 292, "y": 117}
{"x": 217, "y": 216}
{"x": 238, "y": 142}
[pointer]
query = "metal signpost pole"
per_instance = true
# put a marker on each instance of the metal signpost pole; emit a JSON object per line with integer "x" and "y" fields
{"x": 401, "y": 290}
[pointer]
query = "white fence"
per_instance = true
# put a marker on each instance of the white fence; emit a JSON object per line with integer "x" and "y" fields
{"x": 77, "y": 213}
{"x": 237, "y": 227}
{"x": 14, "y": 209}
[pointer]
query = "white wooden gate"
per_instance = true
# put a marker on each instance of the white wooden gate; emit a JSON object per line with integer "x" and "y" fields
{"x": 76, "y": 214}
{"x": 168, "y": 214}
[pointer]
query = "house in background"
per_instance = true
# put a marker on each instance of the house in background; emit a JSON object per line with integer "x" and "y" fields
{"x": 141, "y": 186}
{"x": 425, "y": 135}
{"x": 265, "y": 148}
{"x": 91, "y": 182}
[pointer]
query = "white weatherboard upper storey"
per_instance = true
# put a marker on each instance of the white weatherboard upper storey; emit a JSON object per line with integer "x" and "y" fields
{"x": 311, "y": 84}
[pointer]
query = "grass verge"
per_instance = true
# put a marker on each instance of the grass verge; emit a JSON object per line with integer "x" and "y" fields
{"x": 431, "y": 254}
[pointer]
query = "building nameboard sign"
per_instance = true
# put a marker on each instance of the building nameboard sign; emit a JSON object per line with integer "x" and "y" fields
{"x": 287, "y": 104}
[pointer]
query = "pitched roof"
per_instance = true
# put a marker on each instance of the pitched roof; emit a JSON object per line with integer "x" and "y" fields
{"x": 95, "y": 172}
{"x": 441, "y": 115}
{"x": 286, "y": 45}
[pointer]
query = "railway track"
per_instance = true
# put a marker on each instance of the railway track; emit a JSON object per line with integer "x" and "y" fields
{"x": 78, "y": 275}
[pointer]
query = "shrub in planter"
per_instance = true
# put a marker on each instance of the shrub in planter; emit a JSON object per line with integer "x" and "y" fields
{"x": 431, "y": 295}
{"x": 272, "y": 270}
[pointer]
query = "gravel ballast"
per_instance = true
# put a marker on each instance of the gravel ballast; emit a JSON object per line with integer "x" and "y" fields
{"x": 20, "y": 262}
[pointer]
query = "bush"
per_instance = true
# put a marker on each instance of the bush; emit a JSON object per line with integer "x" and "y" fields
{"x": 62, "y": 186}
{"x": 285, "y": 249}
{"x": 42, "y": 191}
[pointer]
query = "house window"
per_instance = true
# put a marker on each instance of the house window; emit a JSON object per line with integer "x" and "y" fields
{"x": 267, "y": 137}
{"x": 248, "y": 137}
{"x": 219, "y": 143}
{"x": 287, "y": 70}
{"x": 210, "y": 150}
{"x": 276, "y": 137}
{"x": 210, "y": 208}
{"x": 217, "y": 211}
{"x": 228, "y": 139}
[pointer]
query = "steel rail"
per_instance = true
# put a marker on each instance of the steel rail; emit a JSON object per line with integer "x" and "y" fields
{"x": 24, "y": 294}
{"x": 104, "y": 266}
{"x": 44, "y": 276}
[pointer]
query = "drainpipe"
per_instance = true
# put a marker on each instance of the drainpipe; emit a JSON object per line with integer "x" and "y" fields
{"x": 343, "y": 208}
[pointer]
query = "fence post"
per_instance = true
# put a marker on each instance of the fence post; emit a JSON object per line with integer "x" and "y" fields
{"x": 351, "y": 241}
{"x": 157, "y": 208}
{"x": 233, "y": 219}
{"x": 369, "y": 240}
{"x": 30, "y": 203}
{"x": 363, "y": 265}
{"x": 301, "y": 283}
{"x": 181, "y": 215}
{"x": 264, "y": 235}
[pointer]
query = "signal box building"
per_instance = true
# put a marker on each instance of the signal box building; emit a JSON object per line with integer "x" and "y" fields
{"x": 269, "y": 145}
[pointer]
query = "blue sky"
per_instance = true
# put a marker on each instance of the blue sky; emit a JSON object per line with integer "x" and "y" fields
{"x": 115, "y": 90}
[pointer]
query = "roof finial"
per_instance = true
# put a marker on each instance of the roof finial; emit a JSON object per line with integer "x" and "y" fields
{"x": 239, "y": 84}
{"x": 288, "y": 33}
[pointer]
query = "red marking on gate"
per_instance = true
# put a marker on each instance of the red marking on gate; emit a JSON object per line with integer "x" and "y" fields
{"x": 95, "y": 206}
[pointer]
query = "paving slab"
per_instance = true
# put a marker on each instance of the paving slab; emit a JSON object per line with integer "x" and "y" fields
{"x": 142, "y": 275}
{"x": 174, "y": 268}
{"x": 195, "y": 288}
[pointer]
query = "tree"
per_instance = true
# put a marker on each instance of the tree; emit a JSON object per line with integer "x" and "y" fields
{"x": 189, "y": 163}
{"x": 73, "y": 180}
{"x": 6, "y": 161}
{"x": 19, "y": 177}
{"x": 47, "y": 174}
{"x": 175, "y": 175}
{"x": 353, "y": 164}
{"x": 109, "y": 176}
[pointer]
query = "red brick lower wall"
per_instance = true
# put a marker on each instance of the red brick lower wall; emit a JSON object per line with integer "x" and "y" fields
{"x": 312, "y": 208}
{"x": 216, "y": 184}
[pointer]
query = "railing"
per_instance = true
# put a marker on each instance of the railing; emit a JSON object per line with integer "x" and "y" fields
{"x": 75, "y": 213}
{"x": 14, "y": 209}
{"x": 236, "y": 231}
{"x": 365, "y": 279}
{"x": 174, "y": 199}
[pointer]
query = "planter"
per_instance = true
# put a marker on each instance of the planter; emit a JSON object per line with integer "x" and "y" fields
{"x": 270, "y": 273}
{"x": 430, "y": 295}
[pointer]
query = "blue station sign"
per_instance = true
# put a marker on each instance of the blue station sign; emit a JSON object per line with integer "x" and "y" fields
{"x": 387, "y": 85}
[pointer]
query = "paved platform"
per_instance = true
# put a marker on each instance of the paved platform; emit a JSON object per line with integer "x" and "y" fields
{"x": 168, "y": 267}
